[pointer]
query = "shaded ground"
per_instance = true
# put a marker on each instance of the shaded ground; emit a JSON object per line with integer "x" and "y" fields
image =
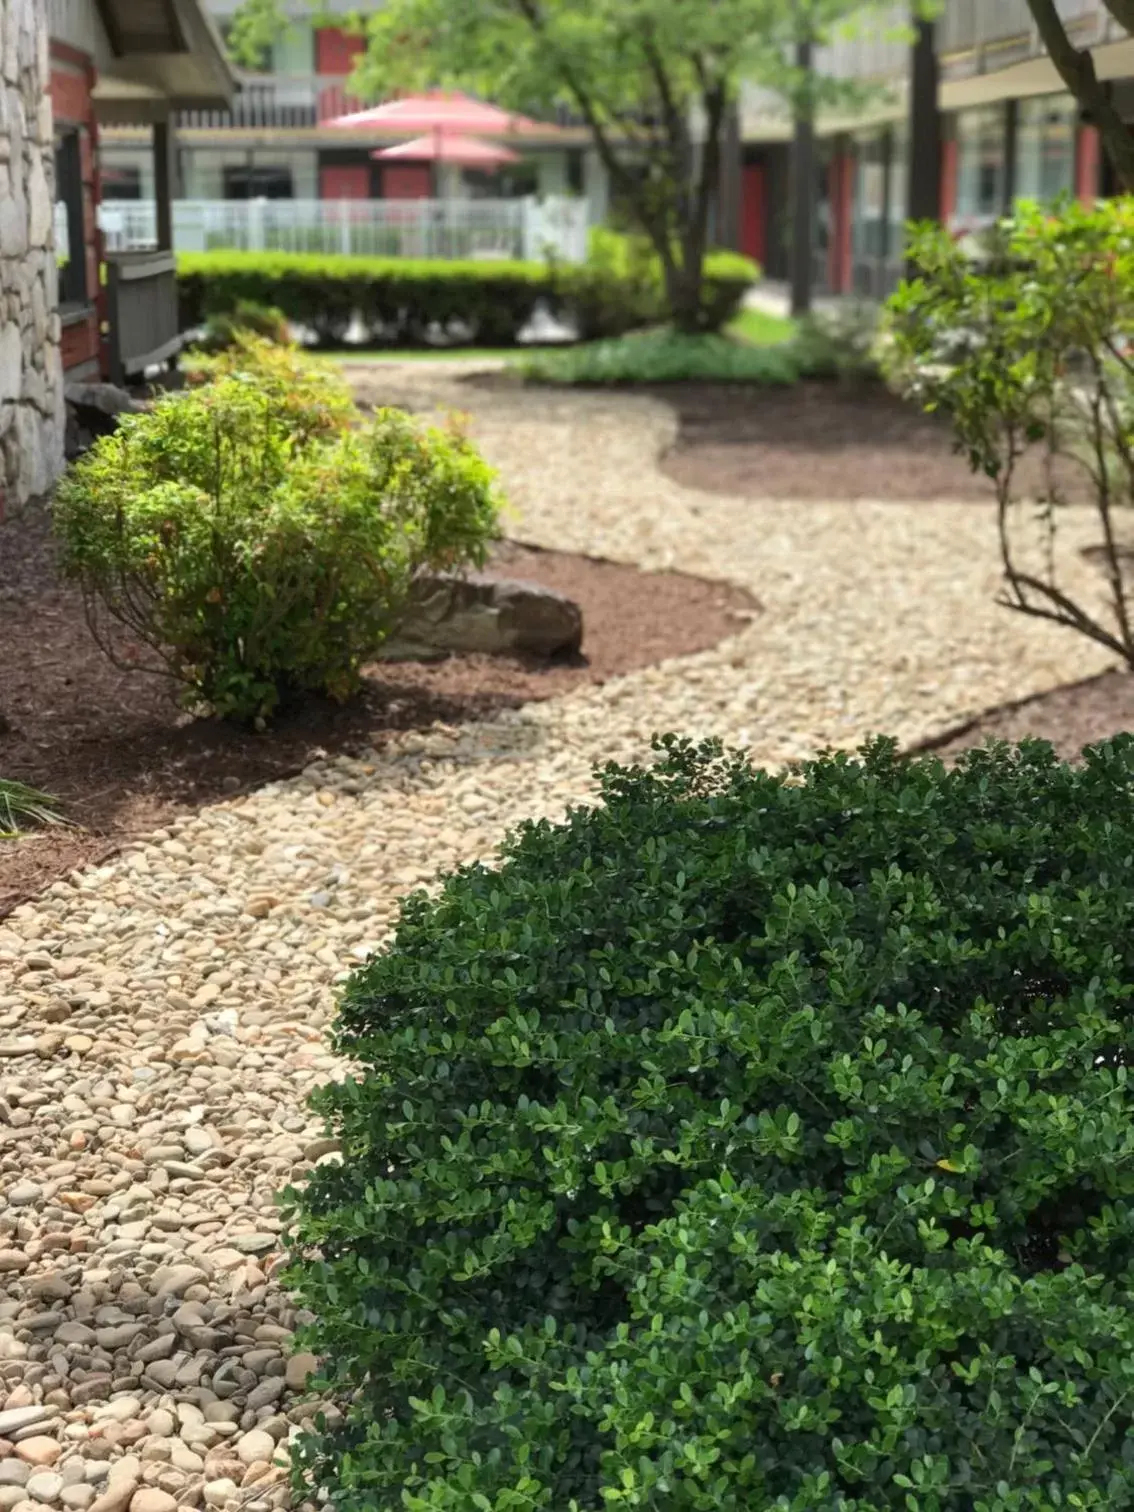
{"x": 1071, "y": 717}
{"x": 818, "y": 441}
{"x": 119, "y": 754}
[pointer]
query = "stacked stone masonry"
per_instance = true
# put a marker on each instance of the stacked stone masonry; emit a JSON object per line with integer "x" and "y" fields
{"x": 31, "y": 372}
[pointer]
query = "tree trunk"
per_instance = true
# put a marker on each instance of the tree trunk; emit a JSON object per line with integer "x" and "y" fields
{"x": 683, "y": 294}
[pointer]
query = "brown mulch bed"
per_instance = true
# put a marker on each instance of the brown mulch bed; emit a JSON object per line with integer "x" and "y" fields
{"x": 821, "y": 441}
{"x": 122, "y": 758}
{"x": 1071, "y": 717}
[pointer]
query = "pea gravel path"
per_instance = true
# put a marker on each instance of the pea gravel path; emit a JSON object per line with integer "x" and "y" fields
{"x": 161, "y": 1018}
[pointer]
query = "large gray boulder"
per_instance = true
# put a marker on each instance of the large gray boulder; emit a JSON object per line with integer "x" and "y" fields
{"x": 496, "y": 616}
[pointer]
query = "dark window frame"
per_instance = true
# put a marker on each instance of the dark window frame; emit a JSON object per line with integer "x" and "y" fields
{"x": 73, "y": 289}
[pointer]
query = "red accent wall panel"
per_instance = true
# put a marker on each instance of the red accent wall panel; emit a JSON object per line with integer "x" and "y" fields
{"x": 841, "y": 191}
{"x": 79, "y": 342}
{"x": 948, "y": 180}
{"x": 407, "y": 181}
{"x": 336, "y": 50}
{"x": 1087, "y": 164}
{"x": 347, "y": 181}
{"x": 753, "y": 210}
{"x": 70, "y": 96}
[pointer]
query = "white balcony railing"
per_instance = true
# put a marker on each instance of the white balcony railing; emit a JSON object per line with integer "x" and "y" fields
{"x": 452, "y": 228}
{"x": 277, "y": 101}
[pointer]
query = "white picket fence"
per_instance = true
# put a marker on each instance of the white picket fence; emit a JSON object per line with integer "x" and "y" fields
{"x": 448, "y": 228}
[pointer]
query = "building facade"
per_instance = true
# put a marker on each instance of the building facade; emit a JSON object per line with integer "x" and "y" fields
{"x": 67, "y": 313}
{"x": 1008, "y": 130}
{"x": 274, "y": 142}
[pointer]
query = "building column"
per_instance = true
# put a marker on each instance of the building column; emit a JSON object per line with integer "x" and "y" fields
{"x": 1088, "y": 179}
{"x": 841, "y": 192}
{"x": 596, "y": 188}
{"x": 923, "y": 197}
{"x": 1011, "y": 124}
{"x": 949, "y": 154}
{"x": 803, "y": 195}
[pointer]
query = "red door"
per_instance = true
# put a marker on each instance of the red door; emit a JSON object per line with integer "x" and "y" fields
{"x": 407, "y": 181}
{"x": 336, "y": 51}
{"x": 753, "y": 210}
{"x": 347, "y": 181}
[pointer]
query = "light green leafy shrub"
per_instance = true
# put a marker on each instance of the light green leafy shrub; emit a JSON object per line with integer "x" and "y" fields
{"x": 745, "y": 1143}
{"x": 1025, "y": 342}
{"x": 254, "y": 544}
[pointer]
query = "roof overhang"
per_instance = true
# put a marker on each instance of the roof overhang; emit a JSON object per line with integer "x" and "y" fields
{"x": 1030, "y": 76}
{"x": 163, "y": 55}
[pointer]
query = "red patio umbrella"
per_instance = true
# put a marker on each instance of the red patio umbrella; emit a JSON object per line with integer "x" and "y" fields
{"x": 438, "y": 110}
{"x": 449, "y": 147}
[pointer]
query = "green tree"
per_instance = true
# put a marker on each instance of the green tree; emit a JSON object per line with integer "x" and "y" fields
{"x": 255, "y": 27}
{"x": 1076, "y": 68}
{"x": 653, "y": 80}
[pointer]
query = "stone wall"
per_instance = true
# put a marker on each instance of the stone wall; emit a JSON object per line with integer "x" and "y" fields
{"x": 31, "y": 372}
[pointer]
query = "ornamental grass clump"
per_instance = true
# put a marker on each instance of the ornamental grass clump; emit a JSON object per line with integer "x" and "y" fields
{"x": 744, "y": 1142}
{"x": 257, "y": 539}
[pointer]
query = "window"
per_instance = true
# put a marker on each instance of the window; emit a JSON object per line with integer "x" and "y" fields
{"x": 244, "y": 182}
{"x": 70, "y": 238}
{"x": 513, "y": 182}
{"x": 1045, "y": 148}
{"x": 980, "y": 165}
{"x": 868, "y": 229}
{"x": 123, "y": 183}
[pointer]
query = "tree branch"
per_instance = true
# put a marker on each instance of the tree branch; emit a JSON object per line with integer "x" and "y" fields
{"x": 1077, "y": 70}
{"x": 530, "y": 11}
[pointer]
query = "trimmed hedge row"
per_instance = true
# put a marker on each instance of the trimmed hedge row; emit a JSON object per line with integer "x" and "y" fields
{"x": 405, "y": 300}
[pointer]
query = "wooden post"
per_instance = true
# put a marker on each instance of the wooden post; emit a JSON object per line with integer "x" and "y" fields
{"x": 165, "y": 178}
{"x": 803, "y": 193}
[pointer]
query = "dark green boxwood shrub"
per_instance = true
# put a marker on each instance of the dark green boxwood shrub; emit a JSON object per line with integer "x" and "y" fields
{"x": 746, "y": 1142}
{"x": 403, "y": 301}
{"x": 396, "y": 298}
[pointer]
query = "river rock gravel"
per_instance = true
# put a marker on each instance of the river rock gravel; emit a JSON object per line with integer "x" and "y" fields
{"x": 162, "y": 1017}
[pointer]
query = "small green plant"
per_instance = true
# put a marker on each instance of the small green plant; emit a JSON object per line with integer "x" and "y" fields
{"x": 621, "y": 286}
{"x": 840, "y": 343}
{"x": 22, "y": 807}
{"x": 224, "y": 329}
{"x": 254, "y": 545}
{"x": 750, "y": 1141}
{"x": 1025, "y": 343}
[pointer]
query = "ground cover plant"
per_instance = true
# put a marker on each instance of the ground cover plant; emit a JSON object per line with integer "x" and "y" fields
{"x": 817, "y": 348}
{"x": 23, "y": 807}
{"x": 748, "y": 1141}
